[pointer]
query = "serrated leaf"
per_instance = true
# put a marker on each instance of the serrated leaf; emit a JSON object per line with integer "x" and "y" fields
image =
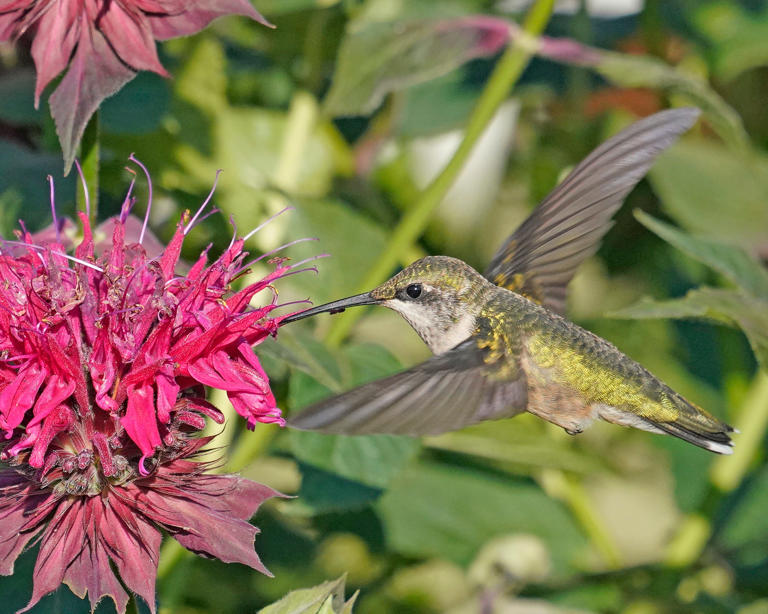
{"x": 450, "y": 511}
{"x": 724, "y": 306}
{"x": 733, "y": 262}
{"x": 326, "y": 598}
{"x": 380, "y": 58}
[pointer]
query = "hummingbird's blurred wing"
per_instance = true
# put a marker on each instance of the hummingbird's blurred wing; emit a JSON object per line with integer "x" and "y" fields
{"x": 541, "y": 256}
{"x": 445, "y": 393}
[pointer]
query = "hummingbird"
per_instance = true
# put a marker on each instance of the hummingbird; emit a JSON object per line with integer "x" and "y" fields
{"x": 500, "y": 341}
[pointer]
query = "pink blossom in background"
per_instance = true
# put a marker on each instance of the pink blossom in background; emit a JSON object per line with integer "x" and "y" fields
{"x": 101, "y": 44}
{"x": 104, "y": 359}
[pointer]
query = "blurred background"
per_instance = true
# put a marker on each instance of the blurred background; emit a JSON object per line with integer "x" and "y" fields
{"x": 347, "y": 111}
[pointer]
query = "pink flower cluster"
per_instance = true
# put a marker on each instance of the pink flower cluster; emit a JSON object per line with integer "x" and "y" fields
{"x": 104, "y": 359}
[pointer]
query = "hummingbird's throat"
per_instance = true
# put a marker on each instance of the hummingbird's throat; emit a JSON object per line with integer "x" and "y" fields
{"x": 440, "y": 331}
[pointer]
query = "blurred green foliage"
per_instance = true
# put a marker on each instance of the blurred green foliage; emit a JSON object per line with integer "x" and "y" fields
{"x": 341, "y": 112}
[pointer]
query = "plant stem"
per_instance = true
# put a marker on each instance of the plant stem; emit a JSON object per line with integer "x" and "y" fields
{"x": 570, "y": 490}
{"x": 728, "y": 471}
{"x": 171, "y": 554}
{"x": 506, "y": 73}
{"x": 89, "y": 162}
{"x": 251, "y": 446}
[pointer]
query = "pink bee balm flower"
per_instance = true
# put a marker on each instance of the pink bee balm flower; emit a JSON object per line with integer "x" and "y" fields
{"x": 104, "y": 357}
{"x": 104, "y": 43}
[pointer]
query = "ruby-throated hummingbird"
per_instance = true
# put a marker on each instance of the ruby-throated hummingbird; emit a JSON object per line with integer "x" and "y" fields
{"x": 500, "y": 342}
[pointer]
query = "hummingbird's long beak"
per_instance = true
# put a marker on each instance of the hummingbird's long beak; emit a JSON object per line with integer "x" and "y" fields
{"x": 334, "y": 307}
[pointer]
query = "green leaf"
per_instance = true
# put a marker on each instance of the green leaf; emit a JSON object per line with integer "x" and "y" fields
{"x": 326, "y": 598}
{"x": 372, "y": 460}
{"x": 749, "y": 522}
{"x": 733, "y": 262}
{"x": 384, "y": 57}
{"x": 323, "y": 492}
{"x": 353, "y": 240}
{"x": 710, "y": 190}
{"x": 369, "y": 459}
{"x": 450, "y": 511}
{"x": 724, "y": 306}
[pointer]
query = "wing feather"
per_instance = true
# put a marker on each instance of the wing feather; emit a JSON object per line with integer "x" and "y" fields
{"x": 566, "y": 228}
{"x": 446, "y": 392}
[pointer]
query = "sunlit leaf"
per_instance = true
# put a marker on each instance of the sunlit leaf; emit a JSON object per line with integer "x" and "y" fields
{"x": 326, "y": 598}
{"x": 733, "y": 262}
{"x": 380, "y": 58}
{"x": 724, "y": 306}
{"x": 450, "y": 511}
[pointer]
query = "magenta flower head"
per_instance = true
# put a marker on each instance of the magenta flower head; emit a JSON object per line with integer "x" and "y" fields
{"x": 104, "y": 359}
{"x": 101, "y": 44}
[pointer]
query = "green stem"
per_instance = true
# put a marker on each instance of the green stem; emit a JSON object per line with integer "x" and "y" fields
{"x": 171, "y": 554}
{"x": 570, "y": 490}
{"x": 752, "y": 422}
{"x": 506, "y": 73}
{"x": 251, "y": 446}
{"x": 89, "y": 163}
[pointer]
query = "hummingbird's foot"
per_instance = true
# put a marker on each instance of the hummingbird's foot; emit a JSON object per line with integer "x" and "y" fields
{"x": 575, "y": 431}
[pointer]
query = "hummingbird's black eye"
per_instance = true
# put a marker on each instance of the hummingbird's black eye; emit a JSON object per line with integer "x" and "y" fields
{"x": 414, "y": 290}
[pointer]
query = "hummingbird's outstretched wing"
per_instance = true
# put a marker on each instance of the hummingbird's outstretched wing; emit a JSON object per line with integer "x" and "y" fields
{"x": 541, "y": 256}
{"x": 445, "y": 393}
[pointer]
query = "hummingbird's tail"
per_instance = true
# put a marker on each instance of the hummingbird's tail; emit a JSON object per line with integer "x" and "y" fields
{"x": 697, "y": 426}
{"x": 716, "y": 439}
{"x": 681, "y": 419}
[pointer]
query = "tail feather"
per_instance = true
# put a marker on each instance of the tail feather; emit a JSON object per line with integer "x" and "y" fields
{"x": 716, "y": 441}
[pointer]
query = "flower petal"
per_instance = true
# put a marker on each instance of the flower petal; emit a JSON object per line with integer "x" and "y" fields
{"x": 94, "y": 74}
{"x": 129, "y": 34}
{"x": 214, "y": 522}
{"x": 134, "y": 546}
{"x": 57, "y": 33}
{"x": 140, "y": 420}
{"x": 15, "y": 503}
{"x": 199, "y": 13}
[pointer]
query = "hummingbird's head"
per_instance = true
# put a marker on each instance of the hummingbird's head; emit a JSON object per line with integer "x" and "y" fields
{"x": 439, "y": 296}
